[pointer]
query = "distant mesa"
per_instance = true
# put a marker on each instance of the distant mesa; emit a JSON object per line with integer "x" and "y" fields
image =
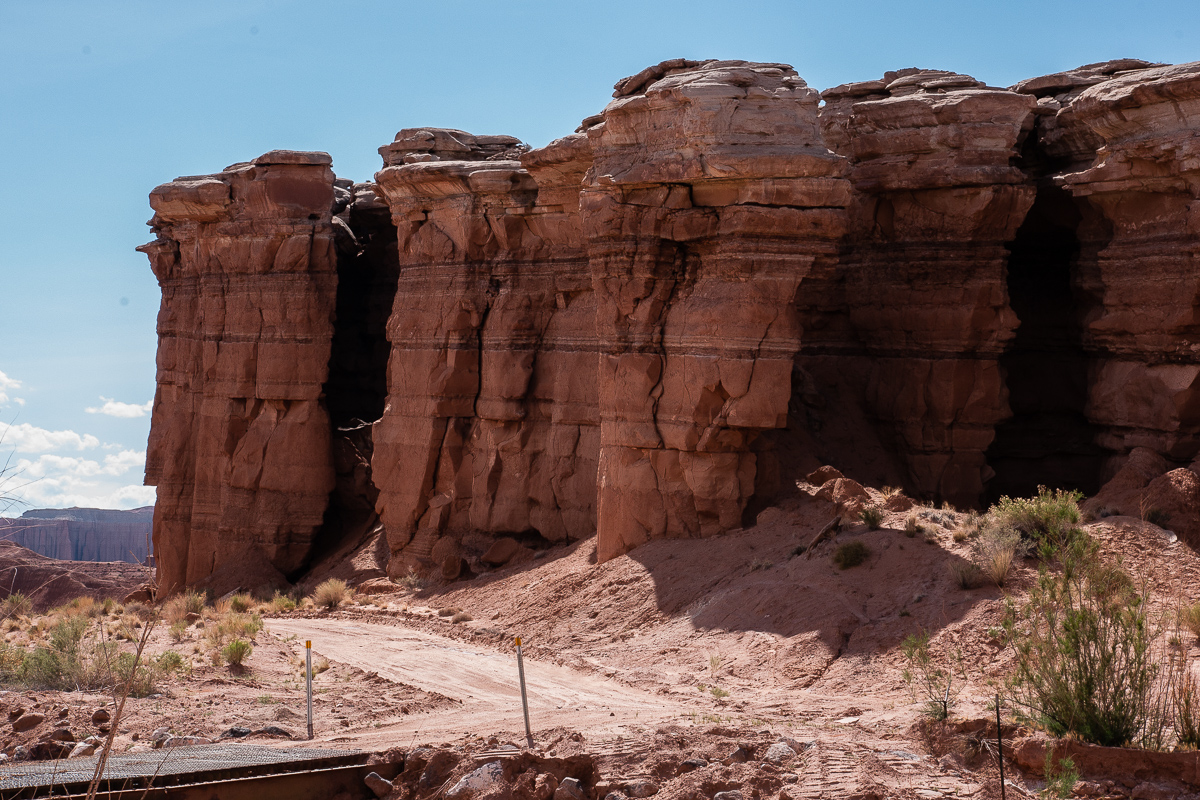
{"x": 83, "y": 534}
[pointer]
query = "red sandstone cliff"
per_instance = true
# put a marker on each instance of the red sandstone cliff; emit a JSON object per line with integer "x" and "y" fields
{"x": 644, "y": 328}
{"x": 240, "y": 440}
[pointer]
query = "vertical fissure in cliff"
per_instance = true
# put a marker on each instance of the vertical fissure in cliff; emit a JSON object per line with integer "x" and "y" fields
{"x": 1048, "y": 441}
{"x": 356, "y": 389}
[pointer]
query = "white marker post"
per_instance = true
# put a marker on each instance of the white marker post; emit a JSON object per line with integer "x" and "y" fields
{"x": 524, "y": 697}
{"x": 308, "y": 680}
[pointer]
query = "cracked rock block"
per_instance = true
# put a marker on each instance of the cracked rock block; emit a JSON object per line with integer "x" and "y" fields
{"x": 711, "y": 196}
{"x": 915, "y": 315}
{"x": 491, "y": 420}
{"x": 240, "y": 441}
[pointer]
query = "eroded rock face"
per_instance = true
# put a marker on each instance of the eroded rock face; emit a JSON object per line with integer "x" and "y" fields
{"x": 1142, "y": 182}
{"x": 914, "y": 316}
{"x": 240, "y": 440}
{"x": 491, "y": 421}
{"x": 711, "y": 196}
{"x": 650, "y": 327}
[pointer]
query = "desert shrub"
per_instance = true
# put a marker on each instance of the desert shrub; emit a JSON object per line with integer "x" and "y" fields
{"x": 281, "y": 602}
{"x": 59, "y": 663}
{"x": 964, "y": 573}
{"x": 11, "y": 661}
{"x": 1084, "y": 664}
{"x": 448, "y": 611}
{"x": 1061, "y": 776}
{"x": 107, "y": 606}
{"x": 413, "y": 581}
{"x": 330, "y": 594}
{"x": 889, "y": 492}
{"x": 872, "y": 517}
{"x": 851, "y": 554}
{"x": 1189, "y": 617}
{"x": 1049, "y": 521}
{"x": 169, "y": 661}
{"x": 241, "y": 603}
{"x": 141, "y": 678}
{"x": 242, "y": 625}
{"x": 193, "y": 602}
{"x": 461, "y": 616}
{"x": 175, "y": 611}
{"x": 929, "y": 681}
{"x": 995, "y": 549}
{"x": 178, "y": 630}
{"x": 236, "y": 652}
{"x": 1185, "y": 708}
{"x": 16, "y": 605}
{"x": 913, "y": 526}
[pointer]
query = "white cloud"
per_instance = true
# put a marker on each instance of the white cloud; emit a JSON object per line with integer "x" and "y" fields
{"x": 26, "y": 438}
{"x": 114, "y": 408}
{"x": 7, "y": 385}
{"x": 54, "y": 481}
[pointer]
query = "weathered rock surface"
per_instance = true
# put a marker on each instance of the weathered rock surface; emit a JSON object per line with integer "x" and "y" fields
{"x": 240, "y": 440}
{"x": 652, "y": 327}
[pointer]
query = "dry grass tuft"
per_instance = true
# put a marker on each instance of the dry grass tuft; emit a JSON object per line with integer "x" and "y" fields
{"x": 330, "y": 594}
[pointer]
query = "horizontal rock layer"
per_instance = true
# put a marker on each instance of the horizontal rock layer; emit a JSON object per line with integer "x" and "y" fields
{"x": 83, "y": 534}
{"x": 649, "y": 327}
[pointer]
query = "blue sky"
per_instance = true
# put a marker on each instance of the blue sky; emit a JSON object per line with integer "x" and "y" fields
{"x": 101, "y": 101}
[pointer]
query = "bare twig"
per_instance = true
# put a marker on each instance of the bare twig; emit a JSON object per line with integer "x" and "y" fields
{"x": 121, "y": 696}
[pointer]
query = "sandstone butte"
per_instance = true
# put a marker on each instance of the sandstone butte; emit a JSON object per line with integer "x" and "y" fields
{"x": 652, "y": 326}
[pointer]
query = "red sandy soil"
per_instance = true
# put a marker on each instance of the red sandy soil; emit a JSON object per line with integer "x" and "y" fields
{"x": 49, "y": 582}
{"x": 622, "y": 659}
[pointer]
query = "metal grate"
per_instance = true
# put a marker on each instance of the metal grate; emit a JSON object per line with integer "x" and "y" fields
{"x": 172, "y": 766}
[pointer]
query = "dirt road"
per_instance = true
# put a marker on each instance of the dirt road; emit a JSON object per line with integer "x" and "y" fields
{"x": 484, "y": 681}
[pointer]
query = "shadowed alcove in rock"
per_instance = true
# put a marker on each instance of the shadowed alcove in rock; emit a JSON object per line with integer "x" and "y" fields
{"x": 1048, "y": 441}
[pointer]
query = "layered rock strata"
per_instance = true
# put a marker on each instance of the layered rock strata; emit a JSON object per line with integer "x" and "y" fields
{"x": 711, "y": 196}
{"x": 83, "y": 534}
{"x": 240, "y": 438}
{"x": 652, "y": 326}
{"x": 914, "y": 314}
{"x": 491, "y": 417}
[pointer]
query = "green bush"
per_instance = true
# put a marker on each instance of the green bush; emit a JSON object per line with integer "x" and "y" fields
{"x": 170, "y": 661}
{"x": 1049, "y": 521}
{"x": 236, "y": 652}
{"x": 995, "y": 549}
{"x": 851, "y": 554}
{"x": 142, "y": 679}
{"x": 1084, "y": 664}
{"x": 872, "y": 517}
{"x": 281, "y": 602}
{"x": 16, "y": 605}
{"x": 927, "y": 679}
{"x": 58, "y": 665}
{"x": 241, "y": 603}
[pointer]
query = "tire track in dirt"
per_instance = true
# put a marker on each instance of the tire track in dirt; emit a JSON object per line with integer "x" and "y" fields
{"x": 484, "y": 681}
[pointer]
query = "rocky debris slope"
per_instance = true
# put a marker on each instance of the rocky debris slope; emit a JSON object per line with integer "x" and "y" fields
{"x": 50, "y": 582}
{"x": 83, "y": 534}
{"x": 652, "y": 327}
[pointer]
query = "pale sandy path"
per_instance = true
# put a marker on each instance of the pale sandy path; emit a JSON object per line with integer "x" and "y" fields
{"x": 483, "y": 680}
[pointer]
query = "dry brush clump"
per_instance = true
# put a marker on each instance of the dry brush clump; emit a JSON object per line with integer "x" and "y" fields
{"x": 330, "y": 594}
{"x": 851, "y": 554}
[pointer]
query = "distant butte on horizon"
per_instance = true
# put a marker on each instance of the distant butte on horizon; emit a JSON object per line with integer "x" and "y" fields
{"x": 655, "y": 326}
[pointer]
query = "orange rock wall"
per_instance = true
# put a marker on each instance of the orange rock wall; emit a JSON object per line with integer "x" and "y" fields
{"x": 639, "y": 329}
{"x": 240, "y": 439}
